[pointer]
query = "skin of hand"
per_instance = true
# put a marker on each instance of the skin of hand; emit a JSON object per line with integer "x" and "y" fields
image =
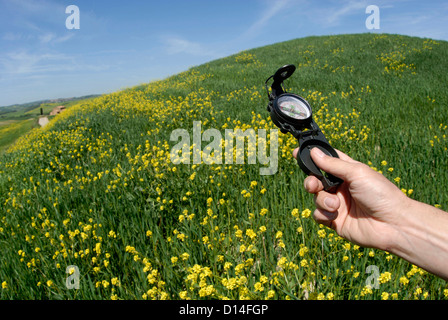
{"x": 369, "y": 210}
{"x": 365, "y": 207}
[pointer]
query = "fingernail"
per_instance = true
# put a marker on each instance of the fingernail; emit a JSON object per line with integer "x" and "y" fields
{"x": 330, "y": 203}
{"x": 318, "y": 152}
{"x": 305, "y": 184}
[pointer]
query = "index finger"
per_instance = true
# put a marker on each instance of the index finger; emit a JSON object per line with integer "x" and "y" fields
{"x": 345, "y": 157}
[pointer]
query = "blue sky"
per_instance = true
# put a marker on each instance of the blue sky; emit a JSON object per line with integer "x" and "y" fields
{"x": 125, "y": 43}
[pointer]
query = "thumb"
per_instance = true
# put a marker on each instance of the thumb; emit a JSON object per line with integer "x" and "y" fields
{"x": 335, "y": 166}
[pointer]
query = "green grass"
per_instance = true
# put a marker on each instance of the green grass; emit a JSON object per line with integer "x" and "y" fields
{"x": 96, "y": 187}
{"x": 11, "y": 130}
{"x": 18, "y": 120}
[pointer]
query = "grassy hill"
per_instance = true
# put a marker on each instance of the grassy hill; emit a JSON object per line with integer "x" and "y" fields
{"x": 96, "y": 188}
{"x": 17, "y": 120}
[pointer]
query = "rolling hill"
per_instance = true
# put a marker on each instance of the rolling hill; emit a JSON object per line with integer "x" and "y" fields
{"x": 94, "y": 198}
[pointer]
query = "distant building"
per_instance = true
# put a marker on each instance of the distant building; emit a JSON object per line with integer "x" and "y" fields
{"x": 57, "y": 110}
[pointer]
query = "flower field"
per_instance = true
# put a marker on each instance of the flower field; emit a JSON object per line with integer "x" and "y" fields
{"x": 96, "y": 188}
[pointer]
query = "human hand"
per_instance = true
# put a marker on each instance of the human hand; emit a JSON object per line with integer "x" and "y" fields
{"x": 366, "y": 209}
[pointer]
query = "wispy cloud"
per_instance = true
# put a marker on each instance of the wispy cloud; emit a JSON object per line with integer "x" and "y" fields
{"x": 33, "y": 7}
{"x": 427, "y": 22}
{"x": 25, "y": 63}
{"x": 32, "y": 23}
{"x": 14, "y": 36}
{"x": 346, "y": 8}
{"x": 271, "y": 9}
{"x": 178, "y": 45}
{"x": 50, "y": 37}
{"x": 30, "y": 14}
{"x": 175, "y": 44}
{"x": 47, "y": 37}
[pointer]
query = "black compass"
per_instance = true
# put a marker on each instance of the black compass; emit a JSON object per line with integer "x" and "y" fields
{"x": 293, "y": 114}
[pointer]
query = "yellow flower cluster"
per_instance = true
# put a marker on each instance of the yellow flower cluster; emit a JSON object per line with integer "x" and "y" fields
{"x": 308, "y": 60}
{"x": 248, "y": 60}
{"x": 439, "y": 136}
{"x": 396, "y": 61}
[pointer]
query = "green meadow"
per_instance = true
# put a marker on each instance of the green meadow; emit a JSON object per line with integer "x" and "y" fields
{"x": 93, "y": 199}
{"x": 18, "y": 120}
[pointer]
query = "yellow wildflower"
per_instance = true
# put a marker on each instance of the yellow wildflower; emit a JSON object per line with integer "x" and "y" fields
{"x": 258, "y": 286}
{"x": 115, "y": 282}
{"x": 251, "y": 234}
{"x": 404, "y": 280}
{"x": 185, "y": 256}
{"x": 385, "y": 277}
{"x": 321, "y": 233}
{"x": 295, "y": 213}
{"x": 306, "y": 213}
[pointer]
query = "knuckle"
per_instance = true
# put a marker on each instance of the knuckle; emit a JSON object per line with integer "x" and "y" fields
{"x": 360, "y": 170}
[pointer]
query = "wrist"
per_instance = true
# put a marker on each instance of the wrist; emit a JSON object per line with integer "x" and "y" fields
{"x": 402, "y": 227}
{"x": 421, "y": 237}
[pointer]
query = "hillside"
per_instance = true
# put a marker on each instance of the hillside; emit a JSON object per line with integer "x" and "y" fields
{"x": 96, "y": 188}
{"x": 29, "y": 106}
{"x": 17, "y": 120}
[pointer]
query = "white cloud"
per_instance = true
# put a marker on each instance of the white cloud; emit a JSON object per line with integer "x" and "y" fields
{"x": 178, "y": 45}
{"x": 351, "y": 7}
{"x": 25, "y": 63}
{"x": 31, "y": 6}
{"x": 427, "y": 24}
{"x": 271, "y": 10}
{"x": 47, "y": 37}
{"x": 67, "y": 37}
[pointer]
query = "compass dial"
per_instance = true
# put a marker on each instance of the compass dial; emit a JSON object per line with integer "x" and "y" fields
{"x": 294, "y": 107}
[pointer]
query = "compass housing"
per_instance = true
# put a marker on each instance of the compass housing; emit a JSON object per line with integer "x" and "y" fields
{"x": 292, "y": 113}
